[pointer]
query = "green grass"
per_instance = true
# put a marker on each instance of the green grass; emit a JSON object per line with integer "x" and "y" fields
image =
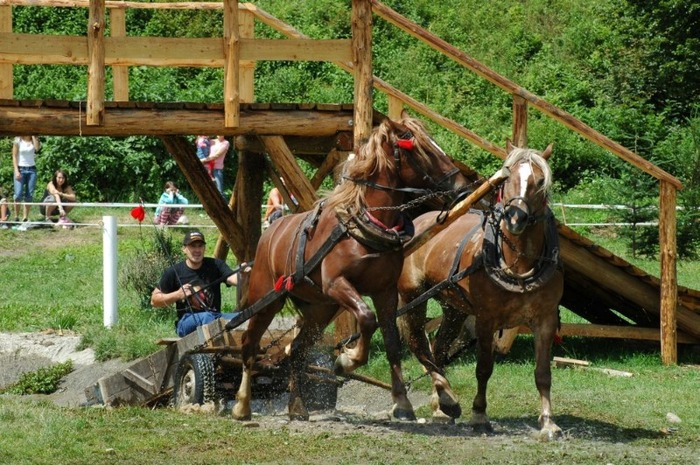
{"x": 53, "y": 279}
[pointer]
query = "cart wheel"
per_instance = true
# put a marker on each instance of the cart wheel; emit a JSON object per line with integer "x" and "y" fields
{"x": 195, "y": 382}
{"x": 320, "y": 394}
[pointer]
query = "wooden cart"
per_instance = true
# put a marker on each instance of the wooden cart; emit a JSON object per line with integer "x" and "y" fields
{"x": 205, "y": 366}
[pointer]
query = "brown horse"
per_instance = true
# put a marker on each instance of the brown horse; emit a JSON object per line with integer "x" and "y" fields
{"x": 349, "y": 246}
{"x": 504, "y": 268}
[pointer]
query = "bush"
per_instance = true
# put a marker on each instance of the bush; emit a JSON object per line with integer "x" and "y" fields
{"x": 142, "y": 271}
{"x": 43, "y": 381}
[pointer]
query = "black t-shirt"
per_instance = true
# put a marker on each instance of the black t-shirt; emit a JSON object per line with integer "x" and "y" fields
{"x": 212, "y": 269}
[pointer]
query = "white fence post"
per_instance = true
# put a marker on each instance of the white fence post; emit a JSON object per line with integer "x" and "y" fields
{"x": 109, "y": 263}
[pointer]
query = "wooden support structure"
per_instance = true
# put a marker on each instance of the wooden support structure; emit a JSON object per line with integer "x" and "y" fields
{"x": 96, "y": 64}
{"x": 669, "y": 283}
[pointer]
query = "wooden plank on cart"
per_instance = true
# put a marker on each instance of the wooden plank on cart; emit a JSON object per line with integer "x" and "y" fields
{"x": 148, "y": 377}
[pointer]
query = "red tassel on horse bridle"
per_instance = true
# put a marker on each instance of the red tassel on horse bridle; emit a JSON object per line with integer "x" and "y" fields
{"x": 279, "y": 283}
{"x": 406, "y": 144}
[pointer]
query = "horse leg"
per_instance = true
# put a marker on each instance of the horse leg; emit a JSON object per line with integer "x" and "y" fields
{"x": 484, "y": 370}
{"x": 347, "y": 296}
{"x": 443, "y": 401}
{"x": 315, "y": 321}
{"x": 543, "y": 377}
{"x": 386, "y": 304}
{"x": 249, "y": 347}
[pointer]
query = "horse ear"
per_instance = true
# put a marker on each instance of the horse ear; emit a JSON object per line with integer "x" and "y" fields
{"x": 509, "y": 146}
{"x": 547, "y": 152}
{"x": 404, "y": 114}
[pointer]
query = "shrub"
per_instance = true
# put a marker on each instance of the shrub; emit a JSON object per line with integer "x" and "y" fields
{"x": 43, "y": 381}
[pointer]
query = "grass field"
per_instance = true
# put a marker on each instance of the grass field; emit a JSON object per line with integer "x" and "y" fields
{"x": 53, "y": 279}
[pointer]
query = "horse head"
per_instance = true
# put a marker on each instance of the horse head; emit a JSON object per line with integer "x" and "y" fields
{"x": 419, "y": 160}
{"x": 525, "y": 193}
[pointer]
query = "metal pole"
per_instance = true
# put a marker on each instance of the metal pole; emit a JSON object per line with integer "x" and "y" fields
{"x": 109, "y": 263}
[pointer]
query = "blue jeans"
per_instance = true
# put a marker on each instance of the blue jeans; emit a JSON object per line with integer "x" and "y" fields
{"x": 218, "y": 179}
{"x": 190, "y": 321}
{"x": 24, "y": 187}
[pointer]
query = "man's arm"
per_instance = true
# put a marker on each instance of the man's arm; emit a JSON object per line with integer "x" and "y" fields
{"x": 160, "y": 299}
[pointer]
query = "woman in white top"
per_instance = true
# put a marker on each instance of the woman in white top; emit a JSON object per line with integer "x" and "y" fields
{"x": 24, "y": 149}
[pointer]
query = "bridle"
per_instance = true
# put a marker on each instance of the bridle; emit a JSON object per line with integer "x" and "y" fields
{"x": 405, "y": 146}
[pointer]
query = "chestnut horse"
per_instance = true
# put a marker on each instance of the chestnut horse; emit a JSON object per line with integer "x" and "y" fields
{"x": 349, "y": 246}
{"x": 504, "y": 269}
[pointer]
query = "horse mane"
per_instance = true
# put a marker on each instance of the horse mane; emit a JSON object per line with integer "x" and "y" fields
{"x": 371, "y": 158}
{"x": 534, "y": 157}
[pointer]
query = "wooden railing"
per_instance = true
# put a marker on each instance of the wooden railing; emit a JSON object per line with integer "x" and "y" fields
{"x": 237, "y": 51}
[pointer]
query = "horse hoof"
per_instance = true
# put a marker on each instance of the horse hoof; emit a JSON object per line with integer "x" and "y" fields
{"x": 240, "y": 415}
{"x": 343, "y": 365}
{"x": 297, "y": 410}
{"x": 403, "y": 414}
{"x": 452, "y": 410}
{"x": 482, "y": 428}
{"x": 440, "y": 417}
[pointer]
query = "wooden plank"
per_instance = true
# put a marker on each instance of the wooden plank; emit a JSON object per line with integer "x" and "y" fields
{"x": 38, "y": 49}
{"x": 614, "y": 332}
{"x": 140, "y": 381}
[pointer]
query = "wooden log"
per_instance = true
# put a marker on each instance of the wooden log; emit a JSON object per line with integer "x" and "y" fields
{"x": 519, "y": 121}
{"x": 120, "y": 74}
{"x": 669, "y": 283}
{"x": 6, "y": 77}
{"x": 334, "y": 158}
{"x": 616, "y": 280}
{"x": 287, "y": 167}
{"x": 556, "y": 113}
{"x": 232, "y": 42}
{"x": 458, "y": 210}
{"x": 249, "y": 192}
{"x": 184, "y": 154}
{"x": 96, "y": 63}
{"x": 613, "y": 332}
{"x": 123, "y": 122}
{"x": 362, "y": 69}
{"x": 246, "y": 28}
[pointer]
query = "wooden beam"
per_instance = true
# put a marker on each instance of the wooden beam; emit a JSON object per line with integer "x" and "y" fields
{"x": 287, "y": 167}
{"x": 556, "y": 113}
{"x": 246, "y": 27}
{"x": 209, "y": 196}
{"x": 122, "y": 122}
{"x": 519, "y": 121}
{"x": 96, "y": 63}
{"x": 6, "y": 78}
{"x": 613, "y": 332}
{"x": 362, "y": 68}
{"x": 669, "y": 282}
{"x": 334, "y": 158}
{"x": 618, "y": 281}
{"x": 120, "y": 74}
{"x": 37, "y": 49}
{"x": 232, "y": 42}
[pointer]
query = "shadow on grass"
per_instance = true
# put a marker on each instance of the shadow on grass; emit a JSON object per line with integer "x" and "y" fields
{"x": 573, "y": 427}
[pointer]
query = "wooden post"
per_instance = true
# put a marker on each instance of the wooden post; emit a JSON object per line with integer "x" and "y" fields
{"x": 6, "y": 79}
{"x": 519, "y": 121}
{"x": 345, "y": 323}
{"x": 395, "y": 108}
{"x": 96, "y": 64}
{"x": 503, "y": 340}
{"x": 287, "y": 167}
{"x": 232, "y": 42}
{"x": 120, "y": 74}
{"x": 669, "y": 283}
{"x": 246, "y": 71}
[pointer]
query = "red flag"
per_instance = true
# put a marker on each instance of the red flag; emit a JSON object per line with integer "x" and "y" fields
{"x": 138, "y": 213}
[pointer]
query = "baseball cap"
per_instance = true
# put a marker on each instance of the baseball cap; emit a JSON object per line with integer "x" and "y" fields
{"x": 193, "y": 236}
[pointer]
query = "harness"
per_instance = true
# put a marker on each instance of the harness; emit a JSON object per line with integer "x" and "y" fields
{"x": 544, "y": 269}
{"x": 490, "y": 257}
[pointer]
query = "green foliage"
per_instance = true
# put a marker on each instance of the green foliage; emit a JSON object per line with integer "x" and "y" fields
{"x": 143, "y": 270}
{"x": 43, "y": 381}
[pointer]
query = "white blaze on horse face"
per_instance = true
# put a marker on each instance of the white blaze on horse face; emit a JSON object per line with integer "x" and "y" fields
{"x": 525, "y": 172}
